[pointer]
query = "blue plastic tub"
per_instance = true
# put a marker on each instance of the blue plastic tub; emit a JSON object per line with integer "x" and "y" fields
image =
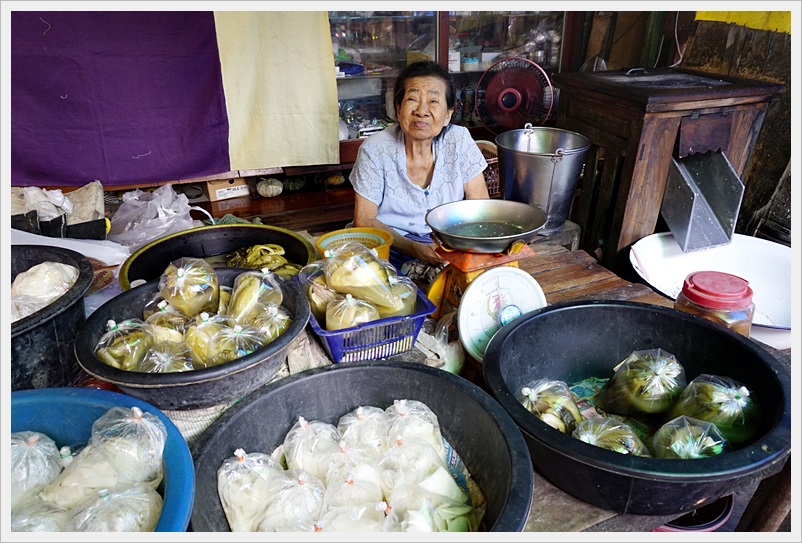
{"x": 66, "y": 415}
{"x": 377, "y": 339}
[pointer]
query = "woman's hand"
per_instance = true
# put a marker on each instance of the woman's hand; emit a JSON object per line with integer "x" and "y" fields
{"x": 425, "y": 251}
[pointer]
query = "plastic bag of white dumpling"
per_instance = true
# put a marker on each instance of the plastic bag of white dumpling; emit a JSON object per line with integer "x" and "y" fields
{"x": 252, "y": 290}
{"x": 133, "y": 508}
{"x": 272, "y": 320}
{"x": 408, "y": 462}
{"x": 552, "y": 402}
{"x": 312, "y": 279}
{"x": 45, "y": 281}
{"x": 351, "y": 491}
{"x": 366, "y": 425}
{"x": 35, "y": 462}
{"x": 405, "y": 290}
{"x": 199, "y": 331}
{"x": 296, "y": 505}
{"x": 167, "y": 357}
{"x": 309, "y": 445}
{"x": 246, "y": 484}
{"x": 412, "y": 419}
{"x": 364, "y": 517}
{"x": 353, "y": 461}
{"x": 124, "y": 344}
{"x": 36, "y": 515}
{"x": 353, "y": 269}
{"x": 230, "y": 343}
{"x": 415, "y": 510}
{"x": 157, "y": 304}
{"x": 191, "y": 286}
{"x": 134, "y": 441}
{"x": 348, "y": 311}
{"x": 167, "y": 325}
{"x": 22, "y": 306}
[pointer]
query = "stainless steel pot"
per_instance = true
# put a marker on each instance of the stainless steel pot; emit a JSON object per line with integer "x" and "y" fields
{"x": 485, "y": 225}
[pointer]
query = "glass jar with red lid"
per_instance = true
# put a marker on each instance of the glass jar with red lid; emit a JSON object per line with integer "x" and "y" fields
{"x": 720, "y": 297}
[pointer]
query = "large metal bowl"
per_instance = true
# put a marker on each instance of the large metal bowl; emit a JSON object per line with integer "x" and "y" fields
{"x": 485, "y": 225}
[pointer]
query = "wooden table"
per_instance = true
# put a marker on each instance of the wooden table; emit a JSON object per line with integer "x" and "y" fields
{"x": 563, "y": 275}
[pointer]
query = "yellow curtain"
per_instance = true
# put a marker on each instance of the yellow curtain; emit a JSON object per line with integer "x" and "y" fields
{"x": 281, "y": 94}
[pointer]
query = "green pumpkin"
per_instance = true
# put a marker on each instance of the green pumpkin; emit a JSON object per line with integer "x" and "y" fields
{"x": 269, "y": 188}
{"x": 294, "y": 183}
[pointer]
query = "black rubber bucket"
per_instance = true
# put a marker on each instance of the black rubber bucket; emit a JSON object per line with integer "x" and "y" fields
{"x": 42, "y": 343}
{"x": 150, "y": 261}
{"x": 197, "y": 388}
{"x": 573, "y": 341}
{"x": 481, "y": 432}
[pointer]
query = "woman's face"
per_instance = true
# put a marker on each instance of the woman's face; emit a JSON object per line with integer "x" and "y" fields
{"x": 423, "y": 112}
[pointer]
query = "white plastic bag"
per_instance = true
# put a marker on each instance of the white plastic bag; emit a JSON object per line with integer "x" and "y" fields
{"x": 35, "y": 462}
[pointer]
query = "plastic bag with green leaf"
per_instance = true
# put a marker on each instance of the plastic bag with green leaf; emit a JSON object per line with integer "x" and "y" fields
{"x": 347, "y": 311}
{"x": 353, "y": 269}
{"x": 230, "y": 343}
{"x": 647, "y": 381}
{"x": 688, "y": 438}
{"x": 167, "y": 357}
{"x": 167, "y": 325}
{"x": 552, "y": 402}
{"x": 610, "y": 434}
{"x": 723, "y": 401}
{"x": 124, "y": 344}
{"x": 251, "y": 291}
{"x": 405, "y": 290}
{"x": 191, "y": 286}
{"x": 312, "y": 279}
{"x": 273, "y": 320}
{"x": 200, "y": 331}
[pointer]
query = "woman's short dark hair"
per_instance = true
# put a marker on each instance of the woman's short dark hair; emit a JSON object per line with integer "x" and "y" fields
{"x": 423, "y": 68}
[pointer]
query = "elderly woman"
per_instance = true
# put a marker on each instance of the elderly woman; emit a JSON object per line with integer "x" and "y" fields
{"x": 417, "y": 164}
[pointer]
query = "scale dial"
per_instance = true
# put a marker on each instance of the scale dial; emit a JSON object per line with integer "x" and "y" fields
{"x": 491, "y": 300}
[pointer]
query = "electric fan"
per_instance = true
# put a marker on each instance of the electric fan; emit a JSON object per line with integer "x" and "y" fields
{"x": 512, "y": 92}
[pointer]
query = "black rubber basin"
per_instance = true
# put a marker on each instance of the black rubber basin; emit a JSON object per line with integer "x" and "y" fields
{"x": 197, "y": 388}
{"x": 481, "y": 432}
{"x": 42, "y": 343}
{"x": 573, "y": 341}
{"x": 149, "y": 261}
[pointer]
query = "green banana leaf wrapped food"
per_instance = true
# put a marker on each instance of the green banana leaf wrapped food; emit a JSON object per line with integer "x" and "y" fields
{"x": 191, "y": 286}
{"x": 273, "y": 320}
{"x": 689, "y": 438}
{"x": 230, "y": 343}
{"x": 353, "y": 269}
{"x": 251, "y": 291}
{"x": 552, "y": 402}
{"x": 646, "y": 382}
{"x": 407, "y": 291}
{"x": 611, "y": 434}
{"x": 348, "y": 311}
{"x": 167, "y": 357}
{"x": 124, "y": 344}
{"x": 198, "y": 333}
{"x": 723, "y": 401}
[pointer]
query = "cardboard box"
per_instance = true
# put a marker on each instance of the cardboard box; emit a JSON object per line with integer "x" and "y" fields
{"x": 226, "y": 188}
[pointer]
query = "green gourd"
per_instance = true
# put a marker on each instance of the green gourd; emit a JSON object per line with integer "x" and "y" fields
{"x": 294, "y": 183}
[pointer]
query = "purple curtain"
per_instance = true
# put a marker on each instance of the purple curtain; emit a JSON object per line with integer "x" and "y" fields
{"x": 121, "y": 97}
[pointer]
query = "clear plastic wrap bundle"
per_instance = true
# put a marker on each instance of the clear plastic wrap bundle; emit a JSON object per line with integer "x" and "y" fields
{"x": 723, "y": 401}
{"x": 350, "y": 491}
{"x": 405, "y": 290}
{"x": 252, "y": 290}
{"x": 412, "y": 420}
{"x": 552, "y": 402}
{"x": 35, "y": 462}
{"x": 366, "y": 425}
{"x": 408, "y": 463}
{"x": 353, "y": 518}
{"x": 167, "y": 325}
{"x": 346, "y": 311}
{"x": 36, "y": 515}
{"x": 124, "y": 344}
{"x": 353, "y": 269}
{"x": 309, "y": 445}
{"x": 415, "y": 510}
{"x": 134, "y": 508}
{"x": 39, "y": 286}
{"x": 167, "y": 357}
{"x": 647, "y": 381}
{"x": 200, "y": 331}
{"x": 296, "y": 506}
{"x": 90, "y": 471}
{"x": 191, "y": 286}
{"x": 611, "y": 434}
{"x": 688, "y": 438}
{"x": 246, "y": 484}
{"x": 312, "y": 279}
{"x": 272, "y": 320}
{"x": 157, "y": 304}
{"x": 355, "y": 461}
{"x": 231, "y": 343}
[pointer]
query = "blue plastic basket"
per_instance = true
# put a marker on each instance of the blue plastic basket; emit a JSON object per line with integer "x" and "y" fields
{"x": 377, "y": 339}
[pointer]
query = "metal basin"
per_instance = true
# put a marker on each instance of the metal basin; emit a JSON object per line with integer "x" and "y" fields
{"x": 485, "y": 225}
